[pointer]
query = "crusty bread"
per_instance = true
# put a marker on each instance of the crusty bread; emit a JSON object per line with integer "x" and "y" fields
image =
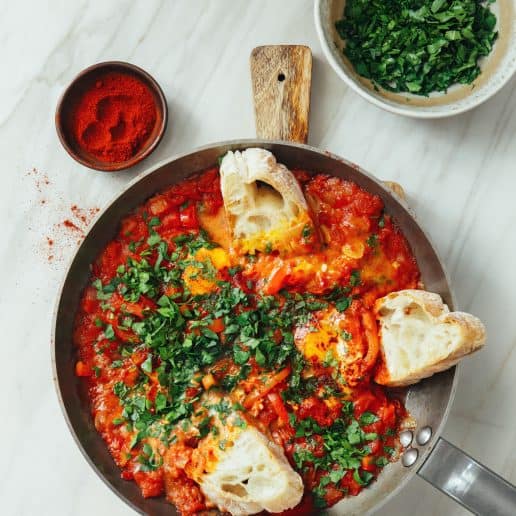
{"x": 420, "y": 336}
{"x": 264, "y": 204}
{"x": 238, "y": 468}
{"x": 252, "y": 475}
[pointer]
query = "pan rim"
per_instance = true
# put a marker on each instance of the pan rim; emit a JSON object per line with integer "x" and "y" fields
{"x": 232, "y": 144}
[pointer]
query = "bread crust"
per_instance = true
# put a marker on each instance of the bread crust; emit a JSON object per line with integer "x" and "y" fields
{"x": 471, "y": 331}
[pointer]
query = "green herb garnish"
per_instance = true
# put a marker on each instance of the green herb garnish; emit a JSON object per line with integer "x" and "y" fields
{"x": 417, "y": 46}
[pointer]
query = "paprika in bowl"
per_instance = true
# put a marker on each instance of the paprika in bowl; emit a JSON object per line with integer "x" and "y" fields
{"x": 111, "y": 116}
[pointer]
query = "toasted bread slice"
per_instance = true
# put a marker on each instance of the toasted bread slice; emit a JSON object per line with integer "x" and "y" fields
{"x": 239, "y": 469}
{"x": 265, "y": 207}
{"x": 251, "y": 476}
{"x": 419, "y": 336}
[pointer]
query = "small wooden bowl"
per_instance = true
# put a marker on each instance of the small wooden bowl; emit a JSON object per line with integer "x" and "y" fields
{"x": 77, "y": 87}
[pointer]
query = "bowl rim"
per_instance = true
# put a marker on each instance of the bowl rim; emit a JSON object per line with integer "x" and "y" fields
{"x": 412, "y": 112}
{"x": 138, "y": 157}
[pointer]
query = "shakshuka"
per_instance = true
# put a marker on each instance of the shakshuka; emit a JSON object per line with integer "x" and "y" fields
{"x": 242, "y": 381}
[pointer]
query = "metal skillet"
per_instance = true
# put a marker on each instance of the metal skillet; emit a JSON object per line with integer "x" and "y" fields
{"x": 281, "y": 89}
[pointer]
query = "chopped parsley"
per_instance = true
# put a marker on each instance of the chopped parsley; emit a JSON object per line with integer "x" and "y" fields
{"x": 372, "y": 241}
{"x": 306, "y": 232}
{"x": 368, "y": 418}
{"x": 345, "y": 445}
{"x": 417, "y": 46}
{"x": 354, "y": 279}
{"x": 346, "y": 335}
{"x": 164, "y": 332}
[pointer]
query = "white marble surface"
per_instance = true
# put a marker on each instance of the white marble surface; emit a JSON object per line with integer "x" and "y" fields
{"x": 460, "y": 174}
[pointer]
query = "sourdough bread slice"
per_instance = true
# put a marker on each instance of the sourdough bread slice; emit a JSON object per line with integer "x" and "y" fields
{"x": 238, "y": 468}
{"x": 264, "y": 204}
{"x": 419, "y": 336}
{"x": 252, "y": 475}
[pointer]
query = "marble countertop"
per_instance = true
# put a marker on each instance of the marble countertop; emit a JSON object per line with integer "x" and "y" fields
{"x": 459, "y": 173}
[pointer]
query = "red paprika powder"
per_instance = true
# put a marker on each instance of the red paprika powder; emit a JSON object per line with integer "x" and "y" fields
{"x": 113, "y": 117}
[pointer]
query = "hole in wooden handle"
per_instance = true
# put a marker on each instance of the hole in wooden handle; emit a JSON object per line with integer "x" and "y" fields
{"x": 281, "y": 112}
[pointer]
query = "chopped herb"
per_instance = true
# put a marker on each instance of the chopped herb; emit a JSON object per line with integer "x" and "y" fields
{"x": 417, "y": 46}
{"x": 389, "y": 450}
{"x": 330, "y": 360}
{"x": 362, "y": 478}
{"x": 343, "y": 445}
{"x": 160, "y": 402}
{"x": 120, "y": 389}
{"x": 154, "y": 239}
{"x": 240, "y": 422}
{"x": 148, "y": 459}
{"x": 147, "y": 364}
{"x": 229, "y": 382}
{"x": 381, "y": 462}
{"x": 343, "y": 304}
{"x": 346, "y": 335}
{"x": 337, "y": 475}
{"x": 240, "y": 356}
{"x": 109, "y": 332}
{"x": 354, "y": 279}
{"x": 204, "y": 427}
{"x": 368, "y": 418}
{"x": 347, "y": 408}
{"x": 233, "y": 270}
{"x": 307, "y": 231}
{"x": 372, "y": 241}
{"x": 302, "y": 455}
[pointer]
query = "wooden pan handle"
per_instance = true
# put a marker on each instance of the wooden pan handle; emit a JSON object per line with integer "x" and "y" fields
{"x": 281, "y": 77}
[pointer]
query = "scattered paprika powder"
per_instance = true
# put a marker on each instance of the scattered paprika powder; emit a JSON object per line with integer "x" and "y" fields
{"x": 113, "y": 117}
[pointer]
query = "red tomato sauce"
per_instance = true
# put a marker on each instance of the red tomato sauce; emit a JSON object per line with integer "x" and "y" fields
{"x": 148, "y": 276}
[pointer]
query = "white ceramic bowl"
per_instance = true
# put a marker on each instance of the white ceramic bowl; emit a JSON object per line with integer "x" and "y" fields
{"x": 496, "y": 69}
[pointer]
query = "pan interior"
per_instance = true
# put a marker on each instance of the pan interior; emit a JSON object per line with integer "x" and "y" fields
{"x": 428, "y": 402}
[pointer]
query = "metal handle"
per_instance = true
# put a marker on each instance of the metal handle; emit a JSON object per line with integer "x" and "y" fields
{"x": 468, "y": 482}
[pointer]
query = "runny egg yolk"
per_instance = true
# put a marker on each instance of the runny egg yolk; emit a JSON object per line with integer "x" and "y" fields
{"x": 203, "y": 279}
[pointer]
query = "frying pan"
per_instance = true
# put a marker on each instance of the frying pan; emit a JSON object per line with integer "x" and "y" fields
{"x": 281, "y": 85}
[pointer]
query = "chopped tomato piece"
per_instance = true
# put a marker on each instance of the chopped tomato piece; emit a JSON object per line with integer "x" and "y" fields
{"x": 217, "y": 325}
{"x": 279, "y": 407}
{"x": 368, "y": 463}
{"x": 82, "y": 369}
{"x": 276, "y": 280}
{"x": 188, "y": 217}
{"x": 150, "y": 482}
{"x": 208, "y": 381}
{"x": 158, "y": 205}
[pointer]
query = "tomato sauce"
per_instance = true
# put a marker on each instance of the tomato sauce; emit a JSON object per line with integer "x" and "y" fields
{"x": 171, "y": 261}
